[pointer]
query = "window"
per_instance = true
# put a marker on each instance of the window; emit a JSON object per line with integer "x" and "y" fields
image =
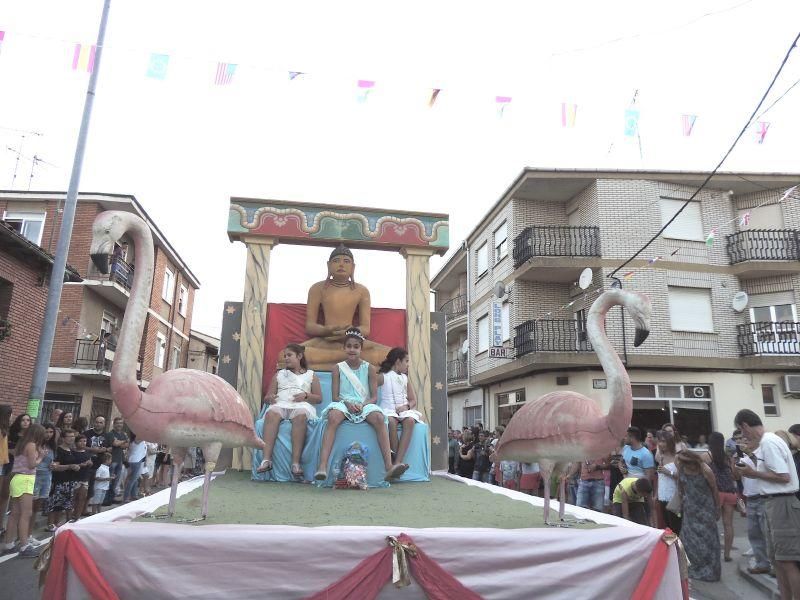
{"x": 482, "y": 260}
{"x": 176, "y": 357}
{"x": 483, "y": 333}
{"x": 690, "y": 309}
{"x": 168, "y": 287}
{"x": 581, "y": 329}
{"x": 183, "y": 300}
{"x": 509, "y": 403}
{"x": 161, "y": 346}
{"x": 29, "y": 225}
{"x": 688, "y": 225}
{"x": 774, "y": 329}
{"x": 472, "y": 415}
{"x": 768, "y": 398}
{"x": 506, "y": 320}
{"x": 501, "y": 242}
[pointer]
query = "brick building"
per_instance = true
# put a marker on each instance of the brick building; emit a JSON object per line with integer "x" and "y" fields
{"x": 91, "y": 309}
{"x": 203, "y": 352}
{"x": 706, "y": 357}
{"x": 24, "y": 273}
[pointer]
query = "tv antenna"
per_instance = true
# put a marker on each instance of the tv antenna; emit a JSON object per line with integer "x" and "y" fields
{"x": 35, "y": 160}
{"x": 23, "y": 133}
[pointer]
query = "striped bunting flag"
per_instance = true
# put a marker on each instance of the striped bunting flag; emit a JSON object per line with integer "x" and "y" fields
{"x": 225, "y": 73}
{"x": 83, "y": 58}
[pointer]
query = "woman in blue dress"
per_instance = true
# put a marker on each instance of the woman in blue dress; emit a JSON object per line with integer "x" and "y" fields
{"x": 354, "y": 387}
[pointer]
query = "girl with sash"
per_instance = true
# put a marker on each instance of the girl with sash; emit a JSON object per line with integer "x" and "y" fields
{"x": 293, "y": 392}
{"x": 354, "y": 386}
{"x": 398, "y": 401}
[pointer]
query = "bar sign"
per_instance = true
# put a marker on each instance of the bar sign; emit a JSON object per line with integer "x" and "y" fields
{"x": 497, "y": 323}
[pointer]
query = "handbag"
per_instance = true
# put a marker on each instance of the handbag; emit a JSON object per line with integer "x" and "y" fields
{"x": 675, "y": 504}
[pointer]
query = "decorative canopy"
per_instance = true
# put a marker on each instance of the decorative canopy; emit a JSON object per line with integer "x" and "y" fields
{"x": 331, "y": 225}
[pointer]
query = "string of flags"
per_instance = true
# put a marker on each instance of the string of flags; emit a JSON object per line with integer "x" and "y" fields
{"x": 158, "y": 68}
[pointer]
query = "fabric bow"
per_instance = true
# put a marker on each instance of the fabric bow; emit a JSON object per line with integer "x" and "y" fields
{"x": 670, "y": 538}
{"x": 401, "y": 576}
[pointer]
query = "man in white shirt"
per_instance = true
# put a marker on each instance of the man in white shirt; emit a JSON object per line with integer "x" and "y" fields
{"x": 778, "y": 483}
{"x": 756, "y": 519}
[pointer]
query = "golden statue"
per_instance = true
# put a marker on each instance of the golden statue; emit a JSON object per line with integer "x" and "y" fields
{"x": 333, "y": 306}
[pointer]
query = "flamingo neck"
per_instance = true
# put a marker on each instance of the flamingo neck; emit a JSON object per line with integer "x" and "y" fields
{"x": 124, "y": 385}
{"x": 619, "y": 385}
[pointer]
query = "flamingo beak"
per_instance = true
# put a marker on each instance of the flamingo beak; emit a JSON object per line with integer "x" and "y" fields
{"x": 101, "y": 262}
{"x": 641, "y": 336}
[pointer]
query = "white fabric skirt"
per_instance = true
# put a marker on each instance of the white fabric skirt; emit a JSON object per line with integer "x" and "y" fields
{"x": 286, "y": 409}
{"x": 414, "y": 414}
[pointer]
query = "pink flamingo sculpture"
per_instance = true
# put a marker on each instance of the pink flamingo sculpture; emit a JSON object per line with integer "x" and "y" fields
{"x": 562, "y": 427}
{"x": 182, "y": 408}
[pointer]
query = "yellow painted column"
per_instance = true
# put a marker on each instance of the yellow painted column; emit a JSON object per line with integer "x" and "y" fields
{"x": 254, "y": 322}
{"x": 418, "y": 321}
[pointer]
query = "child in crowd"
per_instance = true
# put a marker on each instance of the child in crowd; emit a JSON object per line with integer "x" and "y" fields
{"x": 530, "y": 479}
{"x": 354, "y": 389}
{"x": 44, "y": 477}
{"x": 84, "y": 460}
{"x": 102, "y": 481}
{"x": 510, "y": 470}
{"x": 293, "y": 392}
{"x": 27, "y": 456}
{"x": 398, "y": 401}
{"x": 65, "y": 468}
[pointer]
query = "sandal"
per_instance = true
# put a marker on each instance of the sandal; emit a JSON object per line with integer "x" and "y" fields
{"x": 297, "y": 472}
{"x": 266, "y": 465}
{"x": 321, "y": 475}
{"x": 395, "y": 472}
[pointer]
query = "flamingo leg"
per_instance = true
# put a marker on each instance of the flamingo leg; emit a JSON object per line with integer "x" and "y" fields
{"x": 211, "y": 452}
{"x": 562, "y": 497}
{"x": 546, "y": 476}
{"x": 178, "y": 456}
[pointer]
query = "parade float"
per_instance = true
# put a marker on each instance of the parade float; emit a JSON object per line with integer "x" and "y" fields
{"x": 428, "y": 534}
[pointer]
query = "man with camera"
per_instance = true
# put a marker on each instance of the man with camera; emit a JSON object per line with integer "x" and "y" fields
{"x": 778, "y": 483}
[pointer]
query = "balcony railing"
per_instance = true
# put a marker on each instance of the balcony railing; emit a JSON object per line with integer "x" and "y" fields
{"x": 764, "y": 244}
{"x": 456, "y": 371}
{"x": 456, "y": 307}
{"x": 551, "y": 335}
{"x": 556, "y": 240}
{"x": 120, "y": 272}
{"x": 98, "y": 356}
{"x": 780, "y": 337}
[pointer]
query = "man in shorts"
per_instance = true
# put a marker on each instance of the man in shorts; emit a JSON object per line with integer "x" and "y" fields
{"x": 778, "y": 483}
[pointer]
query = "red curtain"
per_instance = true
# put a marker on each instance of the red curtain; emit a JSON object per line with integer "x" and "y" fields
{"x": 654, "y": 572}
{"x": 67, "y": 548}
{"x": 286, "y": 324}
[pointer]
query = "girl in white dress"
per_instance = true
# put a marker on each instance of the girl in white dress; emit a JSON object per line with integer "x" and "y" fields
{"x": 293, "y": 392}
{"x": 398, "y": 401}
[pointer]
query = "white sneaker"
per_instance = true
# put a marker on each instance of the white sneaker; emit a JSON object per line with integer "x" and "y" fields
{"x": 748, "y": 553}
{"x": 34, "y": 542}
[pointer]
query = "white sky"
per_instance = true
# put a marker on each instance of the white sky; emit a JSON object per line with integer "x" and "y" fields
{"x": 183, "y": 146}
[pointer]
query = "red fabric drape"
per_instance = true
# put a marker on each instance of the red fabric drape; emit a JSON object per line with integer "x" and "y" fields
{"x": 365, "y": 581}
{"x": 286, "y": 324}
{"x": 68, "y": 548}
{"x": 654, "y": 572}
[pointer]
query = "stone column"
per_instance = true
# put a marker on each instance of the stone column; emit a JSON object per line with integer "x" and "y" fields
{"x": 254, "y": 321}
{"x": 418, "y": 321}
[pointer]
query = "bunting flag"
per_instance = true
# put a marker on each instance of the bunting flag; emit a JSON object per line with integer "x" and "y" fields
{"x": 502, "y": 102}
{"x": 631, "y": 122}
{"x": 157, "y": 67}
{"x": 83, "y": 58}
{"x": 225, "y": 73}
{"x": 761, "y": 131}
{"x": 654, "y": 260}
{"x": 744, "y": 220}
{"x": 294, "y": 75}
{"x": 2, "y": 37}
{"x": 434, "y": 96}
{"x": 364, "y": 88}
{"x": 711, "y": 235}
{"x": 688, "y": 124}
{"x": 568, "y": 114}
{"x": 628, "y": 275}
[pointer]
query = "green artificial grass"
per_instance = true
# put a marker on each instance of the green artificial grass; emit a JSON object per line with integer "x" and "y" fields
{"x": 235, "y": 499}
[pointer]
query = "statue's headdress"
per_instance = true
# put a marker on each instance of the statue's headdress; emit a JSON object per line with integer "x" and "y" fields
{"x": 341, "y": 250}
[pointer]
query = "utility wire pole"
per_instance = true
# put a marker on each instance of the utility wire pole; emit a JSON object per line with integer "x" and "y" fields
{"x": 56, "y": 283}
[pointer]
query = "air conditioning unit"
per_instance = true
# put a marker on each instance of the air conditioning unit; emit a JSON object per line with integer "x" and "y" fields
{"x": 791, "y": 384}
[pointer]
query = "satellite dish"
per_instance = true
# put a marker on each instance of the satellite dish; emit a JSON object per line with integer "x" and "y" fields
{"x": 740, "y": 300}
{"x": 500, "y": 289}
{"x": 586, "y": 278}
{"x": 465, "y": 347}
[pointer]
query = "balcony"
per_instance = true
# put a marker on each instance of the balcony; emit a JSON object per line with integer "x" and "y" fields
{"x": 746, "y": 248}
{"x": 5, "y": 329}
{"x": 457, "y": 372}
{"x": 547, "y": 252}
{"x": 114, "y": 286}
{"x": 97, "y": 359}
{"x": 768, "y": 338}
{"x": 455, "y": 312}
{"x": 550, "y": 335}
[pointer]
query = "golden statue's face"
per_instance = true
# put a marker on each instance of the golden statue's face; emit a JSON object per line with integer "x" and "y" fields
{"x": 341, "y": 268}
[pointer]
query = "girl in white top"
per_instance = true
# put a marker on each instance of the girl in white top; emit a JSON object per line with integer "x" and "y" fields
{"x": 293, "y": 392}
{"x": 667, "y": 478}
{"x": 397, "y": 401}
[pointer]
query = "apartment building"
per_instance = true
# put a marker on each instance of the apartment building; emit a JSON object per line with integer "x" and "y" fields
{"x": 91, "y": 309}
{"x": 203, "y": 352}
{"x": 725, "y": 332}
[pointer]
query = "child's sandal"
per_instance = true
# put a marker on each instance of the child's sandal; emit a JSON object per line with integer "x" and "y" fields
{"x": 266, "y": 465}
{"x": 297, "y": 472}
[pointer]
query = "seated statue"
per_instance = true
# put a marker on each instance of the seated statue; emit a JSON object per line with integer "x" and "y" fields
{"x": 335, "y": 305}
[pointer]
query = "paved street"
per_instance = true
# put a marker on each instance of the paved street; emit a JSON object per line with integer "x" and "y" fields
{"x": 20, "y": 581}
